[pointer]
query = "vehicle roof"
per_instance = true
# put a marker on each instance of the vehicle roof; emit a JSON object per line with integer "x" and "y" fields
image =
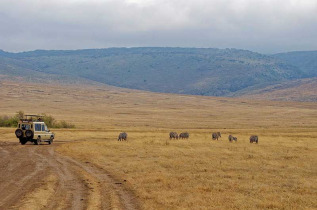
{"x": 35, "y": 122}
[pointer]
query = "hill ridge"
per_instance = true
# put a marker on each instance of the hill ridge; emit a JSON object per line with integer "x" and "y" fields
{"x": 198, "y": 71}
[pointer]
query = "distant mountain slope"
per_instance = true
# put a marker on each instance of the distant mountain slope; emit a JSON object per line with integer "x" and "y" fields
{"x": 296, "y": 90}
{"x": 197, "y": 71}
{"x": 15, "y": 69}
{"x": 305, "y": 60}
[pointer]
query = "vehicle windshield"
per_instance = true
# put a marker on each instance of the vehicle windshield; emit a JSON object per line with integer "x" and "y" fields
{"x": 25, "y": 126}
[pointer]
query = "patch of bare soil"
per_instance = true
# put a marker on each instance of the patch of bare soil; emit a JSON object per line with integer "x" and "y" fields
{"x": 36, "y": 177}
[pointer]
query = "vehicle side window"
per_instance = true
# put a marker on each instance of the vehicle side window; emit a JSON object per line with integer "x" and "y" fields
{"x": 37, "y": 127}
{"x": 43, "y": 128}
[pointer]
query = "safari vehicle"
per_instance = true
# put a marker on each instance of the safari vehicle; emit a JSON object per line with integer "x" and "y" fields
{"x": 32, "y": 128}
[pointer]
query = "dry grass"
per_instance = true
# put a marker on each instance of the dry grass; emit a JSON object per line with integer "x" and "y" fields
{"x": 93, "y": 107}
{"x": 297, "y": 90}
{"x": 280, "y": 172}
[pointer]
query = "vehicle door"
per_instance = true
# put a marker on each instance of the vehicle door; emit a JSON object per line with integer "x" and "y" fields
{"x": 44, "y": 132}
{"x": 38, "y": 130}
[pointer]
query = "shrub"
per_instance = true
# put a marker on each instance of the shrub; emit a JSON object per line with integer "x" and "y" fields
{"x": 64, "y": 124}
{"x": 6, "y": 121}
{"x": 20, "y": 114}
{"x": 52, "y": 123}
{"x": 49, "y": 120}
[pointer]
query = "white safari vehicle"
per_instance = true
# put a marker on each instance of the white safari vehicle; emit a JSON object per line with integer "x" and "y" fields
{"x": 32, "y": 128}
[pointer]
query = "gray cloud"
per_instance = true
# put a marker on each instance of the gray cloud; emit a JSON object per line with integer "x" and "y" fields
{"x": 259, "y": 25}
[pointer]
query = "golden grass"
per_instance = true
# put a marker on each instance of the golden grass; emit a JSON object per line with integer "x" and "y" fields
{"x": 297, "y": 90}
{"x": 93, "y": 107}
{"x": 279, "y": 172}
{"x": 198, "y": 173}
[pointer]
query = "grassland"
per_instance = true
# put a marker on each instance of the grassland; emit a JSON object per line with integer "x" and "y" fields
{"x": 199, "y": 173}
{"x": 296, "y": 90}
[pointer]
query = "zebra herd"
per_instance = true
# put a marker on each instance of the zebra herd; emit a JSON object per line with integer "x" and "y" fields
{"x": 214, "y": 136}
{"x": 174, "y": 135}
{"x": 185, "y": 135}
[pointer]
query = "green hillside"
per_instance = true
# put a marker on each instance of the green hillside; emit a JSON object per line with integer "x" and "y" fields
{"x": 305, "y": 60}
{"x": 216, "y": 72}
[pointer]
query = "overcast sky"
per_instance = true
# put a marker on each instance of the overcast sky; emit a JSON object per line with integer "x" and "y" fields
{"x": 266, "y": 26}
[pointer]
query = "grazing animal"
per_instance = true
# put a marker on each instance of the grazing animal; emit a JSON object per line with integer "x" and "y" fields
{"x": 184, "y": 135}
{"x": 232, "y": 138}
{"x": 254, "y": 139}
{"x": 123, "y": 136}
{"x": 173, "y": 135}
{"x": 219, "y": 134}
{"x": 216, "y": 135}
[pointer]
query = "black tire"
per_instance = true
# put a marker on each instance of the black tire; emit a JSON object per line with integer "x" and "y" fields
{"x": 37, "y": 141}
{"x": 29, "y": 134}
{"x": 19, "y": 133}
{"x": 23, "y": 141}
{"x": 51, "y": 140}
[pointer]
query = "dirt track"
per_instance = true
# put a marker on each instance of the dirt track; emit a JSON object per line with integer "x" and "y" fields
{"x": 36, "y": 177}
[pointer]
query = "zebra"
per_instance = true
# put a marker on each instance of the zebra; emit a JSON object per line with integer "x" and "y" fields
{"x": 123, "y": 136}
{"x": 216, "y": 135}
{"x": 184, "y": 135}
{"x": 232, "y": 138}
{"x": 254, "y": 138}
{"x": 173, "y": 135}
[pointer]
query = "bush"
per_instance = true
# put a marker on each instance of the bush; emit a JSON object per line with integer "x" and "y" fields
{"x": 49, "y": 121}
{"x": 19, "y": 114}
{"x": 6, "y": 121}
{"x": 52, "y": 123}
{"x": 64, "y": 124}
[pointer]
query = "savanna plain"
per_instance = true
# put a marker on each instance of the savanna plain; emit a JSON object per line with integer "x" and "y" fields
{"x": 154, "y": 172}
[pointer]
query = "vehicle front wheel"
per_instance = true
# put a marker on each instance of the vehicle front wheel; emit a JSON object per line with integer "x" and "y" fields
{"x": 51, "y": 140}
{"x": 37, "y": 141}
